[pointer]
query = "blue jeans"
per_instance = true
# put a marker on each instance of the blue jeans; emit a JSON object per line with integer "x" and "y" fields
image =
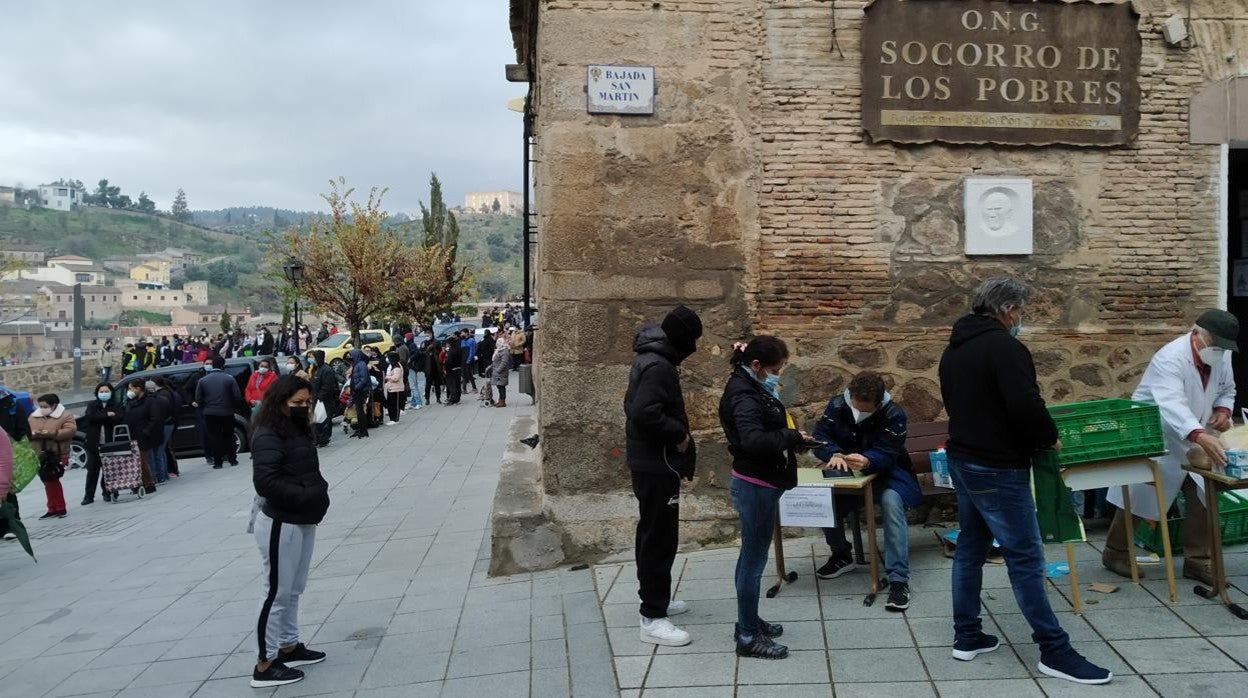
{"x": 757, "y": 507}
{"x": 993, "y": 502}
{"x": 896, "y": 533}
{"x": 157, "y": 462}
{"x": 413, "y": 382}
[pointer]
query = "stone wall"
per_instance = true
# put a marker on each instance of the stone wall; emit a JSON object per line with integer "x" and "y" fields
{"x": 41, "y": 377}
{"x": 753, "y": 196}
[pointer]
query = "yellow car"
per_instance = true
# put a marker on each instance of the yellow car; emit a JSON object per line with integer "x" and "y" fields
{"x": 336, "y": 346}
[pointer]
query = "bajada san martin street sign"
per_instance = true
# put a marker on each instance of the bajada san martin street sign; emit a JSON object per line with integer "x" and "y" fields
{"x": 619, "y": 89}
{"x": 1000, "y": 71}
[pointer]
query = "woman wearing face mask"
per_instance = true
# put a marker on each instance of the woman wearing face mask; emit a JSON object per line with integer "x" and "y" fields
{"x": 295, "y": 497}
{"x": 763, "y": 443}
{"x": 294, "y": 368}
{"x": 394, "y": 387}
{"x": 101, "y": 416}
{"x": 52, "y": 429}
{"x": 325, "y": 389}
{"x": 259, "y": 383}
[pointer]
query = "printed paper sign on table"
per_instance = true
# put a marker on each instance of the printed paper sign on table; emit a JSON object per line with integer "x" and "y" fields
{"x": 808, "y": 507}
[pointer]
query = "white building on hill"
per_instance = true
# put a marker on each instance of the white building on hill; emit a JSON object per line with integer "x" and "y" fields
{"x": 509, "y": 202}
{"x": 59, "y": 197}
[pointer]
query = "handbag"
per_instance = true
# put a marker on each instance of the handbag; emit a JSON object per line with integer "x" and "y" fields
{"x": 25, "y": 465}
{"x": 50, "y": 465}
{"x": 320, "y": 414}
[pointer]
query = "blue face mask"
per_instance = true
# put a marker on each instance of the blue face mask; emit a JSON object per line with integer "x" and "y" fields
{"x": 1015, "y": 329}
{"x": 771, "y": 383}
{"x": 104, "y": 397}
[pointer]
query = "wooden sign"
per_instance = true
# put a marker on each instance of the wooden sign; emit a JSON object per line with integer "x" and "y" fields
{"x": 996, "y": 71}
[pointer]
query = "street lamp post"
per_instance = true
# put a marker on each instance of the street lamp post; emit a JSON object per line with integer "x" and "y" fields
{"x": 294, "y": 274}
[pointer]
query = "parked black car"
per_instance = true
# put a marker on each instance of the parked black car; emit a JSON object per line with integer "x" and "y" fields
{"x": 184, "y": 378}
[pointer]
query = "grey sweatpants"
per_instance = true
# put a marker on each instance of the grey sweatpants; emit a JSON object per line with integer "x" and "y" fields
{"x": 287, "y": 553}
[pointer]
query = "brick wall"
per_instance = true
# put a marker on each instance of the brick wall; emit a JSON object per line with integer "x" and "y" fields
{"x": 754, "y": 196}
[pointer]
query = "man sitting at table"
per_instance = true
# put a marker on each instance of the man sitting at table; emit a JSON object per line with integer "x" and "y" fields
{"x": 866, "y": 432}
{"x": 1191, "y": 381}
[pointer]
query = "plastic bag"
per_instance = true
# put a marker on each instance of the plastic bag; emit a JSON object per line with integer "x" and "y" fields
{"x": 25, "y": 465}
{"x": 321, "y": 414}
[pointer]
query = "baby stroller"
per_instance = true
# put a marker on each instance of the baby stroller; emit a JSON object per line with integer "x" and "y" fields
{"x": 348, "y": 410}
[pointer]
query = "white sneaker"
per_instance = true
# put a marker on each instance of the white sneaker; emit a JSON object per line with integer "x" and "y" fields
{"x": 389, "y": 423}
{"x": 660, "y": 631}
{"x": 417, "y": 407}
{"x": 676, "y": 607}
{"x": 10, "y": 536}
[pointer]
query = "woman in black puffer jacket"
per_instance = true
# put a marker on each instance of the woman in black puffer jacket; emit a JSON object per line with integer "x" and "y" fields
{"x": 763, "y": 443}
{"x": 292, "y": 498}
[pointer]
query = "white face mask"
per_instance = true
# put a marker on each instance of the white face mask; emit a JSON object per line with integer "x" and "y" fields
{"x": 1211, "y": 355}
{"x": 42, "y": 412}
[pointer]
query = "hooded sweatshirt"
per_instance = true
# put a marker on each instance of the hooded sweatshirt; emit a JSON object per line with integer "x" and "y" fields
{"x": 654, "y": 408}
{"x": 988, "y": 381}
{"x": 360, "y": 379}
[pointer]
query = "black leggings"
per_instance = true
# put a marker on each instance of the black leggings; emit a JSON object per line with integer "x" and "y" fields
{"x": 502, "y": 393}
{"x": 433, "y": 380}
{"x": 394, "y": 401}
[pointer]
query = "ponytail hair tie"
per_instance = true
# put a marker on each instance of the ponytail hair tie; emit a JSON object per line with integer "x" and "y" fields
{"x": 739, "y": 346}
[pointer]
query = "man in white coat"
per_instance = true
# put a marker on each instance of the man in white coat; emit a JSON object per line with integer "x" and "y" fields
{"x": 1191, "y": 381}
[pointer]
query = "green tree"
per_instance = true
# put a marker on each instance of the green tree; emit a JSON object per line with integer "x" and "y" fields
{"x": 351, "y": 259}
{"x": 223, "y": 273}
{"x": 496, "y": 206}
{"x": 225, "y": 318}
{"x": 180, "y": 210}
{"x": 122, "y": 201}
{"x": 439, "y": 223}
{"x": 146, "y": 205}
{"x": 106, "y": 194}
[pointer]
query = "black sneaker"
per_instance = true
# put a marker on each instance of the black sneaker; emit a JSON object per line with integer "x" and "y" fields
{"x": 300, "y": 656}
{"x": 772, "y": 630}
{"x": 835, "y": 567}
{"x": 233, "y": 463}
{"x": 48, "y": 515}
{"x": 216, "y": 466}
{"x": 966, "y": 651}
{"x": 1072, "y": 666}
{"x": 761, "y": 647}
{"x": 898, "y": 596}
{"x": 277, "y": 674}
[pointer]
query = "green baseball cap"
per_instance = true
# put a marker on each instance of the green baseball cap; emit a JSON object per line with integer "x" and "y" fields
{"x": 1223, "y": 326}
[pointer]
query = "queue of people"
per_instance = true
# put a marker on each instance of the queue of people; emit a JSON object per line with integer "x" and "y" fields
{"x": 997, "y": 421}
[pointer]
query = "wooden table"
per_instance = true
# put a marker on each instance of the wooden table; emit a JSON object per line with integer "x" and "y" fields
{"x": 813, "y": 477}
{"x": 1121, "y": 473}
{"x": 1215, "y": 483}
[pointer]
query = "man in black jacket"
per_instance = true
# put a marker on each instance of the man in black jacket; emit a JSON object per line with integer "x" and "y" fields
{"x": 997, "y": 420}
{"x": 660, "y": 451}
{"x": 145, "y": 419}
{"x": 216, "y": 396}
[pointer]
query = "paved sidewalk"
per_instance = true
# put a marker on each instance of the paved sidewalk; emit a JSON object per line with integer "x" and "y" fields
{"x": 1192, "y": 648}
{"x": 158, "y": 597}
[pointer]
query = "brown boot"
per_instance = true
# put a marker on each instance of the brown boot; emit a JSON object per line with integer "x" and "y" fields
{"x": 501, "y": 403}
{"x": 1116, "y": 557}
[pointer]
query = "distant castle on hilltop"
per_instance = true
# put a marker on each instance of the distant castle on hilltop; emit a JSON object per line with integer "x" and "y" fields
{"x": 510, "y": 203}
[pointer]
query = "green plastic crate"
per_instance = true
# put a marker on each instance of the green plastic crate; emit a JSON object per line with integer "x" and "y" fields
{"x": 1233, "y": 520}
{"x": 1107, "y": 429}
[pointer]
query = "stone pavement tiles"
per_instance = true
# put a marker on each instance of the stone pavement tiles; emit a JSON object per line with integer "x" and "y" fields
{"x": 158, "y": 597}
{"x": 1192, "y": 648}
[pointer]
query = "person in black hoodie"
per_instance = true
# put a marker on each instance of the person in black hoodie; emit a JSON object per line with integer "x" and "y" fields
{"x": 292, "y": 498}
{"x": 102, "y": 414}
{"x": 145, "y": 417}
{"x": 763, "y": 443}
{"x": 325, "y": 390}
{"x": 997, "y": 420}
{"x": 660, "y": 451}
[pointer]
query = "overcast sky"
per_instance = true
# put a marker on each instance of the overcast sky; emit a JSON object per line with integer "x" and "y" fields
{"x": 260, "y": 103}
